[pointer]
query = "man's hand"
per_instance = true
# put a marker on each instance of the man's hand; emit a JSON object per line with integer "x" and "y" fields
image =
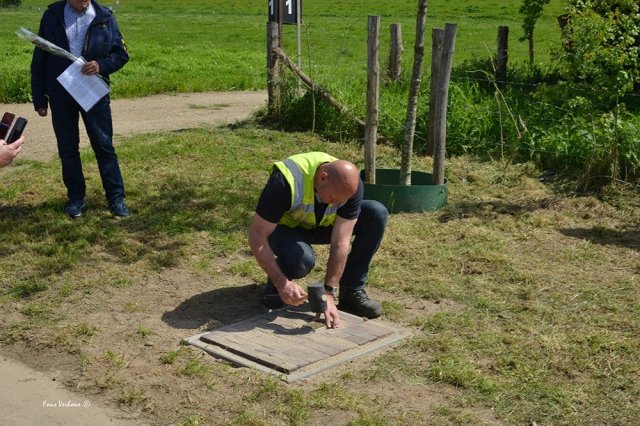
{"x": 9, "y": 152}
{"x": 42, "y": 112}
{"x": 259, "y": 231}
{"x": 331, "y": 315}
{"x": 292, "y": 293}
{"x": 91, "y": 68}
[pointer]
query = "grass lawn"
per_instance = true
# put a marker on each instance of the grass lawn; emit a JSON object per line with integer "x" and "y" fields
{"x": 191, "y": 46}
{"x": 522, "y": 296}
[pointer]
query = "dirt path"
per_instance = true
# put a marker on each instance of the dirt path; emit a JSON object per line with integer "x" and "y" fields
{"x": 31, "y": 397}
{"x": 28, "y": 397}
{"x": 156, "y": 113}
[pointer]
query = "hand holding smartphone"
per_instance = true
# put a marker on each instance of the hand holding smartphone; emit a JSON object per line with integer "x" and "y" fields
{"x": 11, "y": 128}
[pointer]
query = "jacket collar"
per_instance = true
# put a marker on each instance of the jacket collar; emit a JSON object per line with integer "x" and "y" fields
{"x": 102, "y": 13}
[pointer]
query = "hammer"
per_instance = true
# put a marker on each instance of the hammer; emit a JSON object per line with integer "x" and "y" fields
{"x": 317, "y": 298}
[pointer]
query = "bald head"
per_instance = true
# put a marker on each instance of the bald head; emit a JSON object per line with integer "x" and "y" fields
{"x": 337, "y": 181}
{"x": 343, "y": 173}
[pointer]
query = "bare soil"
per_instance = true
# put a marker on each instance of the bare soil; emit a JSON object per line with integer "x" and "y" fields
{"x": 158, "y": 113}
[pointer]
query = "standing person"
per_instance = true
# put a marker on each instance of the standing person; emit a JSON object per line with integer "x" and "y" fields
{"x": 9, "y": 152}
{"x": 314, "y": 198}
{"x": 87, "y": 29}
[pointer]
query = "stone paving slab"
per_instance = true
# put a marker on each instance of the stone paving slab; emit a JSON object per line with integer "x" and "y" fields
{"x": 290, "y": 343}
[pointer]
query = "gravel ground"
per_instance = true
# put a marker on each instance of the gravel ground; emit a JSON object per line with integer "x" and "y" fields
{"x": 143, "y": 115}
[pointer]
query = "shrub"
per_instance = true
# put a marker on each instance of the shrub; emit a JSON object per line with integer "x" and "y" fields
{"x": 602, "y": 46}
{"x": 604, "y": 146}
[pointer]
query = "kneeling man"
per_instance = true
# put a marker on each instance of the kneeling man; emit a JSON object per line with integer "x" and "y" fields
{"x": 314, "y": 198}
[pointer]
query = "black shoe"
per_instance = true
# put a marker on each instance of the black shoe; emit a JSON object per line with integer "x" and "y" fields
{"x": 356, "y": 301}
{"x": 119, "y": 209}
{"x": 74, "y": 208}
{"x": 270, "y": 297}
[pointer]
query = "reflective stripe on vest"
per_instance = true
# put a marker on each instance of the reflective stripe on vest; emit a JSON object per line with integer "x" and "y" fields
{"x": 302, "y": 211}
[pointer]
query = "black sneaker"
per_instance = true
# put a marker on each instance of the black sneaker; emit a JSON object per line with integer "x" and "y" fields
{"x": 356, "y": 301}
{"x": 270, "y": 297}
{"x": 119, "y": 209}
{"x": 74, "y": 208}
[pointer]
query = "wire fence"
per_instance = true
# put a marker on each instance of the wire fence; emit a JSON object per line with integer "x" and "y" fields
{"x": 517, "y": 114}
{"x": 330, "y": 69}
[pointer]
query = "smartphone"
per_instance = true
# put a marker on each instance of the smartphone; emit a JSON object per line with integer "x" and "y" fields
{"x": 7, "y": 121}
{"x": 15, "y": 132}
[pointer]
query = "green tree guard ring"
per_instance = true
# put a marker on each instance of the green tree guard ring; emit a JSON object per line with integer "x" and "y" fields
{"x": 419, "y": 197}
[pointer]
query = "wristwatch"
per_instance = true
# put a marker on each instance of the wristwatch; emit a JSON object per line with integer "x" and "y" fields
{"x": 331, "y": 290}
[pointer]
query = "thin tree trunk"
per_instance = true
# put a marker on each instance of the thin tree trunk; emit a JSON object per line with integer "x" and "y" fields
{"x": 414, "y": 90}
{"x": 373, "y": 82}
{"x": 437, "y": 40}
{"x": 441, "y": 110}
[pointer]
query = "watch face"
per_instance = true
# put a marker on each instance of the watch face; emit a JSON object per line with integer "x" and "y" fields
{"x": 331, "y": 290}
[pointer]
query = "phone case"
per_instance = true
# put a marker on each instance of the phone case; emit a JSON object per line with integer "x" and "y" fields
{"x": 14, "y": 132}
{"x": 7, "y": 120}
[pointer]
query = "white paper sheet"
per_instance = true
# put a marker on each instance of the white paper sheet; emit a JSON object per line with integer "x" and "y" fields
{"x": 85, "y": 89}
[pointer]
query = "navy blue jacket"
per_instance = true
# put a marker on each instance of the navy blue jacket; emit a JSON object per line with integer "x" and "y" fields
{"x": 103, "y": 44}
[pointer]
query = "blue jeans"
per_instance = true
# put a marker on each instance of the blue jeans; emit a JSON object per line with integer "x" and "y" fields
{"x": 65, "y": 116}
{"x": 295, "y": 256}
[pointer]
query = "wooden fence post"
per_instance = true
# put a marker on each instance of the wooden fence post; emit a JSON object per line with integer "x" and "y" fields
{"x": 414, "y": 90}
{"x": 437, "y": 40}
{"x": 440, "y": 124}
{"x": 503, "y": 53}
{"x": 274, "y": 69}
{"x": 395, "y": 53}
{"x": 373, "y": 81}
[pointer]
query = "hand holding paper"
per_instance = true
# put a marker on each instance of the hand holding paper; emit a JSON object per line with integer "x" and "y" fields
{"x": 85, "y": 89}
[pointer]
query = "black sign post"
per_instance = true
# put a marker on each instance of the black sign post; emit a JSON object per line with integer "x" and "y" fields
{"x": 274, "y": 9}
{"x": 290, "y": 12}
{"x": 288, "y": 9}
{"x": 287, "y": 12}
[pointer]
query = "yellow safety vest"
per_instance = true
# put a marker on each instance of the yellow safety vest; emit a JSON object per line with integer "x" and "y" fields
{"x": 299, "y": 171}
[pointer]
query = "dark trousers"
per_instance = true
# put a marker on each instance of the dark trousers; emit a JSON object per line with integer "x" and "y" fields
{"x": 65, "y": 116}
{"x": 292, "y": 246}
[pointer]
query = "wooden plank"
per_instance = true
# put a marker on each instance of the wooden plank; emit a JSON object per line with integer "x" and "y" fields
{"x": 373, "y": 329}
{"x": 355, "y": 338}
{"x": 281, "y": 342}
{"x": 331, "y": 341}
{"x": 219, "y": 352}
{"x": 320, "y": 351}
{"x": 344, "y": 357}
{"x": 278, "y": 347}
{"x": 253, "y": 349}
